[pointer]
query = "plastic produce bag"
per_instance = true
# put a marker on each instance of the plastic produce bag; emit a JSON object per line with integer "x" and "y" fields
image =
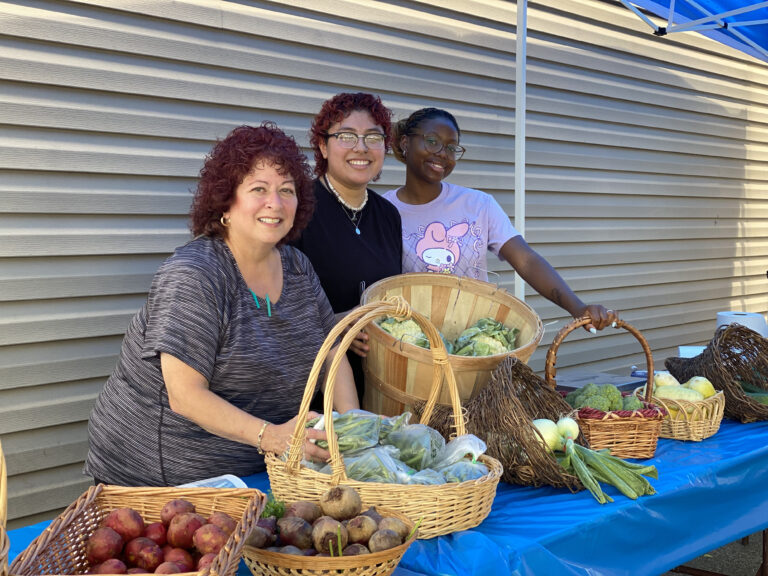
{"x": 355, "y": 430}
{"x": 392, "y": 423}
{"x": 461, "y": 447}
{"x": 377, "y": 464}
{"x": 427, "y": 477}
{"x": 464, "y": 470}
{"x": 419, "y": 444}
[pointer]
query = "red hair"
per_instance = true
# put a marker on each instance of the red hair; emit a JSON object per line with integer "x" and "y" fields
{"x": 339, "y": 107}
{"x": 231, "y": 159}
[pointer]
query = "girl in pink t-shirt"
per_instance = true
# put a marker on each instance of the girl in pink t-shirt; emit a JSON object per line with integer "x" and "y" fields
{"x": 448, "y": 228}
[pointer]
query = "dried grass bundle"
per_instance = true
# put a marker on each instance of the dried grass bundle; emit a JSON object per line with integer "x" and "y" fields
{"x": 501, "y": 414}
{"x": 735, "y": 354}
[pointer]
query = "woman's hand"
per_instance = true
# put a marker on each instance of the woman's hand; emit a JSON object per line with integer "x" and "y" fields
{"x": 277, "y": 439}
{"x": 360, "y": 344}
{"x": 599, "y": 315}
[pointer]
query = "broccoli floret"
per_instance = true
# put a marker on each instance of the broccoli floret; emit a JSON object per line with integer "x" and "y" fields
{"x": 590, "y": 388}
{"x": 613, "y": 395}
{"x": 596, "y": 401}
{"x": 632, "y": 402}
{"x": 573, "y": 397}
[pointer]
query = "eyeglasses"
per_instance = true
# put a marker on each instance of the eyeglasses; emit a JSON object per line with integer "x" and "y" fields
{"x": 373, "y": 140}
{"x": 433, "y": 144}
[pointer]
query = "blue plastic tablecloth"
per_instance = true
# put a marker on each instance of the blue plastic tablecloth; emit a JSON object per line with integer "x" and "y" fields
{"x": 708, "y": 494}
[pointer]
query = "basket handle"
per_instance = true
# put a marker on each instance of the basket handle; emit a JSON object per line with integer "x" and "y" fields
{"x": 549, "y": 367}
{"x": 351, "y": 324}
{"x": 233, "y": 549}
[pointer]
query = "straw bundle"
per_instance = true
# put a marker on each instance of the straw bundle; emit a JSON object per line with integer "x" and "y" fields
{"x": 502, "y": 415}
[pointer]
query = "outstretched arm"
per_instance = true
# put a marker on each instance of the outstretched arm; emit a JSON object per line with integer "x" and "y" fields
{"x": 537, "y": 272}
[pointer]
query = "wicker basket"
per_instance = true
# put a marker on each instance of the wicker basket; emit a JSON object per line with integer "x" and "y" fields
{"x": 4, "y": 543}
{"x": 60, "y": 549}
{"x": 398, "y": 374}
{"x": 441, "y": 508}
{"x": 686, "y": 420}
{"x": 627, "y": 434}
{"x": 266, "y": 563}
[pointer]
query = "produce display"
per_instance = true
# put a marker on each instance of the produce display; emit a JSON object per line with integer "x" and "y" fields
{"x": 605, "y": 397}
{"x": 593, "y": 466}
{"x": 484, "y": 338}
{"x": 336, "y": 526}
{"x": 391, "y": 450}
{"x": 183, "y": 541}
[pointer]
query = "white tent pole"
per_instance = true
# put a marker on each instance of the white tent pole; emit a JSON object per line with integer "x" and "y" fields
{"x": 520, "y": 106}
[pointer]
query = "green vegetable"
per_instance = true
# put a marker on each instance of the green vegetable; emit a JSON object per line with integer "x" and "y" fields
{"x": 605, "y": 397}
{"x": 355, "y": 430}
{"x": 632, "y": 402}
{"x": 486, "y": 337}
{"x": 761, "y": 397}
{"x": 273, "y": 507}
{"x": 580, "y": 469}
{"x": 405, "y": 330}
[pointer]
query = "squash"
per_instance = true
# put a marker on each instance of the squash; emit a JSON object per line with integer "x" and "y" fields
{"x": 678, "y": 393}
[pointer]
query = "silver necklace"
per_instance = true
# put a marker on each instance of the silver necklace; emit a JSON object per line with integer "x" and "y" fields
{"x": 356, "y": 213}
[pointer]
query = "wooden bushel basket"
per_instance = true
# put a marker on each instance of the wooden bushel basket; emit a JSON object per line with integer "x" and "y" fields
{"x": 266, "y": 563}
{"x": 60, "y": 549}
{"x": 443, "y": 508}
{"x": 398, "y": 373}
{"x": 627, "y": 434}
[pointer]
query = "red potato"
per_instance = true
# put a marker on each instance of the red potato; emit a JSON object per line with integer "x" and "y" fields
{"x": 157, "y": 532}
{"x": 126, "y": 522}
{"x": 103, "y": 544}
{"x": 182, "y": 529}
{"x": 209, "y": 539}
{"x": 150, "y": 557}
{"x": 205, "y": 560}
{"x": 133, "y": 548}
{"x": 111, "y": 566}
{"x": 181, "y": 558}
{"x": 168, "y": 568}
{"x": 223, "y": 521}
{"x": 174, "y": 507}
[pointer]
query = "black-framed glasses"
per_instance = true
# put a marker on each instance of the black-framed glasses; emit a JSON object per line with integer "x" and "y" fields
{"x": 434, "y": 144}
{"x": 372, "y": 140}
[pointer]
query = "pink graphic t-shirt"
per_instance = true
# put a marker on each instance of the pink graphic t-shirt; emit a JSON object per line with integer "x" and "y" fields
{"x": 453, "y": 233}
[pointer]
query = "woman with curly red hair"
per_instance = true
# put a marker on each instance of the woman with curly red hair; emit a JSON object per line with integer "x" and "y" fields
{"x": 213, "y": 368}
{"x": 354, "y": 237}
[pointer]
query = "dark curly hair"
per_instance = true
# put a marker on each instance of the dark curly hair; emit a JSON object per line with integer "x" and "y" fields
{"x": 409, "y": 125}
{"x": 339, "y": 107}
{"x": 231, "y": 159}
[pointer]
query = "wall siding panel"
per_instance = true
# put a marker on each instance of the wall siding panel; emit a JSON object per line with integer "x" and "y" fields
{"x": 646, "y": 176}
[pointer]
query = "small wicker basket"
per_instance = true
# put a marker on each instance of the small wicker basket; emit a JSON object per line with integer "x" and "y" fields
{"x": 687, "y": 420}
{"x": 627, "y": 434}
{"x": 4, "y": 542}
{"x": 60, "y": 549}
{"x": 267, "y": 563}
{"x": 443, "y": 508}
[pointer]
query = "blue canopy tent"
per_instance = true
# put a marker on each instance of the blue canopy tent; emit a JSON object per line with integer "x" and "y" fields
{"x": 741, "y": 24}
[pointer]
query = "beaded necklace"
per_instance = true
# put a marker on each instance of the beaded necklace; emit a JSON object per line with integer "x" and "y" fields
{"x": 356, "y": 213}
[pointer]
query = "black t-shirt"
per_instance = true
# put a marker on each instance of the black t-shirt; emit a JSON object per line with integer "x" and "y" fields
{"x": 346, "y": 262}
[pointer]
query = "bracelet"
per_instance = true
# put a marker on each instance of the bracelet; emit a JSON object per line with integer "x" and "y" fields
{"x": 260, "y": 437}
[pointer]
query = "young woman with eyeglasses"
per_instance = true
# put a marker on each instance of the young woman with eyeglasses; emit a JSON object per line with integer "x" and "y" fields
{"x": 448, "y": 228}
{"x": 353, "y": 239}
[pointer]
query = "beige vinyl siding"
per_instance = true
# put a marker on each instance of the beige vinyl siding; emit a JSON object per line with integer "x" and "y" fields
{"x": 647, "y": 169}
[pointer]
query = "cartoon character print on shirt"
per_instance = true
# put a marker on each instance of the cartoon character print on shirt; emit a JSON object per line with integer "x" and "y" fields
{"x": 439, "y": 248}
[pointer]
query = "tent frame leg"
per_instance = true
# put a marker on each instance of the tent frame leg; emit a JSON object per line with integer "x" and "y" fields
{"x": 761, "y": 571}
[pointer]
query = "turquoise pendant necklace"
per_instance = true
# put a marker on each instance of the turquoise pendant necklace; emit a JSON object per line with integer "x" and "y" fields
{"x": 357, "y": 213}
{"x": 266, "y": 300}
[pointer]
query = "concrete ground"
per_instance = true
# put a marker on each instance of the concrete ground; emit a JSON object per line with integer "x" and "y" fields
{"x": 734, "y": 559}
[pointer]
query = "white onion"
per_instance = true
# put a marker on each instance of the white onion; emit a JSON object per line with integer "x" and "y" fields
{"x": 548, "y": 430}
{"x": 568, "y": 428}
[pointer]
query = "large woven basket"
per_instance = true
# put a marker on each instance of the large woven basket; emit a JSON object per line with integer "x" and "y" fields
{"x": 441, "y": 508}
{"x": 4, "y": 543}
{"x": 60, "y": 549}
{"x": 267, "y": 563}
{"x": 398, "y": 373}
{"x": 735, "y": 354}
{"x": 686, "y": 420}
{"x": 627, "y": 434}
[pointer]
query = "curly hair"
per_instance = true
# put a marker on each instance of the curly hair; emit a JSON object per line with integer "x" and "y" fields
{"x": 231, "y": 159}
{"x": 409, "y": 125}
{"x": 339, "y": 107}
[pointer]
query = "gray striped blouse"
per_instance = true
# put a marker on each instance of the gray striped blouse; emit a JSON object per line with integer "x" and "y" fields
{"x": 200, "y": 310}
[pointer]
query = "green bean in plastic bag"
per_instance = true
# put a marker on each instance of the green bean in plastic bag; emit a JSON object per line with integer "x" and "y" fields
{"x": 355, "y": 430}
{"x": 419, "y": 444}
